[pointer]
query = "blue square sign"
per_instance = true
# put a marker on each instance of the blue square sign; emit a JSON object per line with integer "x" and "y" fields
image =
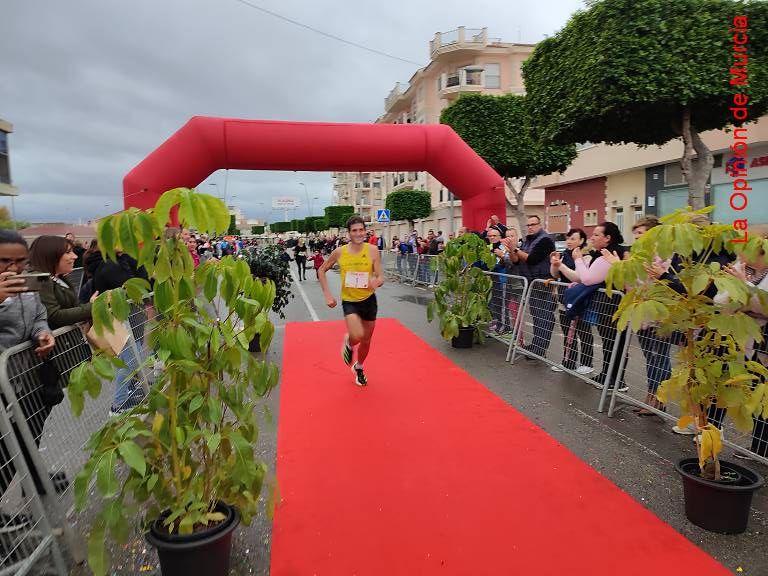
{"x": 382, "y": 215}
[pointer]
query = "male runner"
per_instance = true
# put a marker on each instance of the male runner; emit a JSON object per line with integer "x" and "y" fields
{"x": 360, "y": 267}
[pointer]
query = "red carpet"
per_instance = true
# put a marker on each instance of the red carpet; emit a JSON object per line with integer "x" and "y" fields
{"x": 427, "y": 472}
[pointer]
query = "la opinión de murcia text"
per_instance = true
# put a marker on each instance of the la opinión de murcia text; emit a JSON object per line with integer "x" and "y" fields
{"x": 739, "y": 199}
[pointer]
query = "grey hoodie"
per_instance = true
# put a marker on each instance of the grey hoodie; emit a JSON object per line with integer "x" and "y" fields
{"x": 22, "y": 317}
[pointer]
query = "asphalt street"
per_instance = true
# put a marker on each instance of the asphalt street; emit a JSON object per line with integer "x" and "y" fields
{"x": 637, "y": 454}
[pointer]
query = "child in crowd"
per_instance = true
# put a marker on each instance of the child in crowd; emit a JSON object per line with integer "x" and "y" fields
{"x": 317, "y": 261}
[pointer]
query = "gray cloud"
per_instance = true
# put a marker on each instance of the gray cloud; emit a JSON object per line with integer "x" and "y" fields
{"x": 93, "y": 86}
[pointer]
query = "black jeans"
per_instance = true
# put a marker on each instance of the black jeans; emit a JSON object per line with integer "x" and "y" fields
{"x": 301, "y": 265}
{"x": 601, "y": 309}
{"x": 582, "y": 333}
{"x": 658, "y": 365}
{"x": 543, "y": 306}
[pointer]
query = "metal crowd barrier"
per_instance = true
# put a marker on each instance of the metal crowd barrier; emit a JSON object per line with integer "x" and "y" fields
{"x": 50, "y": 438}
{"x": 505, "y": 304}
{"x": 649, "y": 361}
{"x": 401, "y": 267}
{"x": 61, "y": 436}
{"x": 427, "y": 272}
{"x": 571, "y": 347}
{"x": 27, "y": 539}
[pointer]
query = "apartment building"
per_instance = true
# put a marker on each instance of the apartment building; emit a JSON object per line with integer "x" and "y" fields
{"x": 6, "y": 186}
{"x": 461, "y": 61}
{"x": 623, "y": 183}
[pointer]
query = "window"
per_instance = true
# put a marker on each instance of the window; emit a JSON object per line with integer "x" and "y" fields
{"x": 590, "y": 217}
{"x": 493, "y": 75}
{"x": 439, "y": 83}
{"x": 673, "y": 175}
{"x": 618, "y": 218}
{"x": 441, "y": 195}
{"x": 638, "y": 214}
{"x": 5, "y": 170}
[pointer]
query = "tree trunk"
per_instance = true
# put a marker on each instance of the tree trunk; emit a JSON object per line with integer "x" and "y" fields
{"x": 696, "y": 173}
{"x": 519, "y": 209}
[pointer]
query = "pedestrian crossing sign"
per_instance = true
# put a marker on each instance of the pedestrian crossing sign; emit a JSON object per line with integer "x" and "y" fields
{"x": 382, "y": 215}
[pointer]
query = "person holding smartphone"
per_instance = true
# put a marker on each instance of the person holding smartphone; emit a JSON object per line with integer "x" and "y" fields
{"x": 22, "y": 318}
{"x": 22, "y": 315}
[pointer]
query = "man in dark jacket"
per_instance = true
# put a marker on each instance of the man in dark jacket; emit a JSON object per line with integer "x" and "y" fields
{"x": 533, "y": 263}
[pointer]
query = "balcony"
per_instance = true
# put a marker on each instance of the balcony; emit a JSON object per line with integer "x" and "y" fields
{"x": 467, "y": 79}
{"x": 460, "y": 39}
{"x": 396, "y": 95}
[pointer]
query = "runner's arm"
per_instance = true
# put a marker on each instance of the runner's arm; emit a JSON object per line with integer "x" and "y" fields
{"x": 327, "y": 265}
{"x": 377, "y": 274}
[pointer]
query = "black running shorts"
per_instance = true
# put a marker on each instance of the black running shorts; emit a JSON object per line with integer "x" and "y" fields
{"x": 366, "y": 309}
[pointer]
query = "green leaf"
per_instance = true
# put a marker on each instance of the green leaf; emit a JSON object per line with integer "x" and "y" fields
{"x": 163, "y": 207}
{"x": 119, "y": 304}
{"x": 82, "y": 481}
{"x": 196, "y": 403}
{"x": 133, "y": 456}
{"x": 127, "y": 238}
{"x": 98, "y": 557}
{"x": 214, "y": 441}
{"x": 106, "y": 478}
{"x": 136, "y": 289}
{"x": 105, "y": 234}
{"x": 102, "y": 320}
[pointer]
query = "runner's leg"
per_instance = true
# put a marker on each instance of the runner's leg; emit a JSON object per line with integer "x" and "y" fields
{"x": 365, "y": 343}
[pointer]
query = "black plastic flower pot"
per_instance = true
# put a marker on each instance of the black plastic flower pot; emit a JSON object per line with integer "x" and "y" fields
{"x": 465, "y": 338}
{"x": 722, "y": 506}
{"x": 204, "y": 553}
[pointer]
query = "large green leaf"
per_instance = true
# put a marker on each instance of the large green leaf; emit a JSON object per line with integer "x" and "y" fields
{"x": 133, "y": 456}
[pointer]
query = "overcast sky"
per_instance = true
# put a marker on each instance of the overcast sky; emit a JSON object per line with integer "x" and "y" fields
{"x": 93, "y": 86}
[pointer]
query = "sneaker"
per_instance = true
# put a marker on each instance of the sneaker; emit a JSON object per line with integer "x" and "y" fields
{"x": 584, "y": 370}
{"x": 360, "y": 378}
{"x": 623, "y": 388}
{"x": 689, "y": 430}
{"x": 555, "y": 368}
{"x": 346, "y": 351}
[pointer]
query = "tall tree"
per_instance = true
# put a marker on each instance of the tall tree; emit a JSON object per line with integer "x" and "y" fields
{"x": 409, "y": 204}
{"x": 6, "y": 222}
{"x": 337, "y": 216}
{"x": 500, "y": 130}
{"x": 649, "y": 71}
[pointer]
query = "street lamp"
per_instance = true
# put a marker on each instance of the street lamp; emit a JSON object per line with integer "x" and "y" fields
{"x": 309, "y": 202}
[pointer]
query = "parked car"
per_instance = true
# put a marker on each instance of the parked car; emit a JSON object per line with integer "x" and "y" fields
{"x": 559, "y": 240}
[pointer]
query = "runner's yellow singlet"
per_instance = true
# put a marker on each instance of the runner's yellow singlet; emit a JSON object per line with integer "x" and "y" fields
{"x": 354, "y": 265}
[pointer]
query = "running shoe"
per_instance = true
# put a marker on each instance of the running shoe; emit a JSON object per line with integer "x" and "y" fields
{"x": 360, "y": 378}
{"x": 585, "y": 370}
{"x": 346, "y": 351}
{"x": 555, "y": 368}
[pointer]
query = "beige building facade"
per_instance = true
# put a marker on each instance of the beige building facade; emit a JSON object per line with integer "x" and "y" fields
{"x": 649, "y": 180}
{"x": 461, "y": 61}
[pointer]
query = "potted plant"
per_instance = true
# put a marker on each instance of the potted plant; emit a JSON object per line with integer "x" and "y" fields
{"x": 711, "y": 368}
{"x": 183, "y": 464}
{"x": 462, "y": 295}
{"x": 268, "y": 262}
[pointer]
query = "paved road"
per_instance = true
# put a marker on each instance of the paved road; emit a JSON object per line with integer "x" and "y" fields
{"x": 636, "y": 454}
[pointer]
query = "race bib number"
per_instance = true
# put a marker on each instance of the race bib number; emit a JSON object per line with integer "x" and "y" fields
{"x": 356, "y": 280}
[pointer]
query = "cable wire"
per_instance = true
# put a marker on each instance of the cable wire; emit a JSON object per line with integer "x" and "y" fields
{"x": 326, "y": 34}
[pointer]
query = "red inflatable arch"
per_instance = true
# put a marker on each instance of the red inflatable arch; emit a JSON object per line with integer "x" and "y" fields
{"x": 204, "y": 145}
